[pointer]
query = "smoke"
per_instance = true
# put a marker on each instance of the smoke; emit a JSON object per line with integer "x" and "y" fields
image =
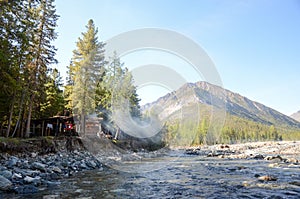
{"x": 135, "y": 126}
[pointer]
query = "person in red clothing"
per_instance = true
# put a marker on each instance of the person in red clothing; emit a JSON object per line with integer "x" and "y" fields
{"x": 69, "y": 128}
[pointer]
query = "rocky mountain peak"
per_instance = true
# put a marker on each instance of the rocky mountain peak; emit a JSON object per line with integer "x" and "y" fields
{"x": 212, "y": 96}
{"x": 296, "y": 116}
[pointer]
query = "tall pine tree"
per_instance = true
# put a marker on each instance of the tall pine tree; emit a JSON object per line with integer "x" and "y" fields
{"x": 54, "y": 102}
{"x": 85, "y": 70}
{"x": 116, "y": 91}
{"x": 14, "y": 54}
{"x": 42, "y": 52}
{"x": 27, "y": 28}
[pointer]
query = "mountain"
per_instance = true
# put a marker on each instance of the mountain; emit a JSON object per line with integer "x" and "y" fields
{"x": 208, "y": 98}
{"x": 296, "y": 116}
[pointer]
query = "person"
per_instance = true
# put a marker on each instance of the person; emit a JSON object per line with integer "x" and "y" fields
{"x": 69, "y": 128}
{"x": 49, "y": 129}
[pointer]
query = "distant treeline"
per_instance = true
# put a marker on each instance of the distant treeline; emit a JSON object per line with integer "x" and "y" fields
{"x": 234, "y": 130}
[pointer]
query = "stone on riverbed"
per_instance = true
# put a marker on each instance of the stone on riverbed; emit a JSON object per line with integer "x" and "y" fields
{"x": 5, "y": 184}
{"x": 296, "y": 183}
{"x": 50, "y": 183}
{"x": 267, "y": 178}
{"x": 33, "y": 154}
{"x": 51, "y": 196}
{"x": 12, "y": 161}
{"x": 83, "y": 166}
{"x": 16, "y": 176}
{"x": 278, "y": 157}
{"x": 7, "y": 174}
{"x": 291, "y": 160}
{"x": 29, "y": 180}
{"x": 258, "y": 157}
{"x": 23, "y": 173}
{"x": 193, "y": 151}
{"x": 39, "y": 166}
{"x": 91, "y": 164}
{"x": 27, "y": 189}
{"x": 31, "y": 173}
{"x": 56, "y": 170}
{"x": 273, "y": 165}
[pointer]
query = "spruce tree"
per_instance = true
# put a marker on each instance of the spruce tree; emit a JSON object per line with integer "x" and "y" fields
{"x": 42, "y": 52}
{"x": 54, "y": 102}
{"x": 116, "y": 91}
{"x": 14, "y": 44}
{"x": 27, "y": 28}
{"x": 85, "y": 70}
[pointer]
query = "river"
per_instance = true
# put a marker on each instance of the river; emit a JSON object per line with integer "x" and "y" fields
{"x": 180, "y": 176}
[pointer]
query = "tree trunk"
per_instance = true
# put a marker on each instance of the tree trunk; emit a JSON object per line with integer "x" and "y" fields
{"x": 29, "y": 116}
{"x": 1, "y": 129}
{"x": 22, "y": 124}
{"x": 36, "y": 74}
{"x": 11, "y": 114}
{"x": 20, "y": 111}
{"x": 82, "y": 129}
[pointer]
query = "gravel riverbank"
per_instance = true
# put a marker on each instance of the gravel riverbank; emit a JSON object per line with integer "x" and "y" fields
{"x": 29, "y": 172}
{"x": 33, "y": 172}
{"x": 286, "y": 149}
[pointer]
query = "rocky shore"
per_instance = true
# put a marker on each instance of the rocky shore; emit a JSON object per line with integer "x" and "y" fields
{"x": 47, "y": 164}
{"x": 288, "y": 151}
{"x": 30, "y": 171}
{"x": 280, "y": 155}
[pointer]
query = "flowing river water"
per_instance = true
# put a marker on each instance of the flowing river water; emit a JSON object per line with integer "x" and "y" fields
{"x": 181, "y": 176}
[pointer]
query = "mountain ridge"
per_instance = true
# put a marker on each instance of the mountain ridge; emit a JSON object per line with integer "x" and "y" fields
{"x": 209, "y": 95}
{"x": 296, "y": 116}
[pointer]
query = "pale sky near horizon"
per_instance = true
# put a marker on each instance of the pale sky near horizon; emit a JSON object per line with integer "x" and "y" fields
{"x": 255, "y": 45}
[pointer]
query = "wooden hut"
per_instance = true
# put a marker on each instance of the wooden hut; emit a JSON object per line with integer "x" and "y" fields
{"x": 52, "y": 126}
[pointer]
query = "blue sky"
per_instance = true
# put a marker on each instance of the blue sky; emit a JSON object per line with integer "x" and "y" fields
{"x": 255, "y": 45}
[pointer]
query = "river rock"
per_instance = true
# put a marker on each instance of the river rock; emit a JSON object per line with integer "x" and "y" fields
{"x": 29, "y": 180}
{"x": 31, "y": 173}
{"x": 16, "y": 176}
{"x": 56, "y": 169}
{"x": 39, "y": 166}
{"x": 92, "y": 164}
{"x": 258, "y": 157}
{"x": 23, "y": 173}
{"x": 273, "y": 165}
{"x": 65, "y": 163}
{"x": 7, "y": 174}
{"x": 27, "y": 189}
{"x": 25, "y": 165}
{"x": 53, "y": 176}
{"x": 292, "y": 160}
{"x": 192, "y": 151}
{"x": 51, "y": 196}
{"x": 278, "y": 157}
{"x": 5, "y": 184}
{"x": 51, "y": 183}
{"x": 12, "y": 161}
{"x": 33, "y": 154}
{"x": 214, "y": 154}
{"x": 83, "y": 166}
{"x": 267, "y": 178}
{"x": 2, "y": 168}
{"x": 296, "y": 183}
